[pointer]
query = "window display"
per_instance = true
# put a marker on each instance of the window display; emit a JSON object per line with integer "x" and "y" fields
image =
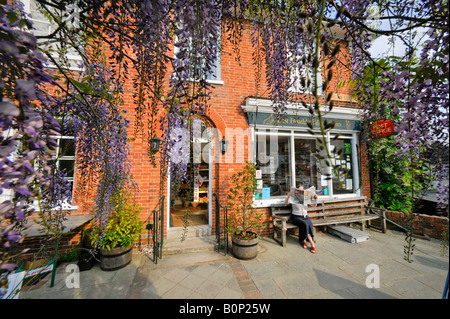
{"x": 287, "y": 159}
{"x": 344, "y": 183}
{"x": 275, "y": 165}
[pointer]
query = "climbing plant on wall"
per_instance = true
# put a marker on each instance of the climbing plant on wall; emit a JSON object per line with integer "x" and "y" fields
{"x": 290, "y": 37}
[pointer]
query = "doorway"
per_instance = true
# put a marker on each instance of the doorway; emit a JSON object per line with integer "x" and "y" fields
{"x": 190, "y": 202}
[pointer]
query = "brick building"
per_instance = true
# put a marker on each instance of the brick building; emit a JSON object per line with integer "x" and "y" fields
{"x": 246, "y": 119}
{"x": 243, "y": 115}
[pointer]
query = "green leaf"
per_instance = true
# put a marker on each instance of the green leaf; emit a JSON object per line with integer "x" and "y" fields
{"x": 25, "y": 22}
{"x": 12, "y": 16}
{"x": 84, "y": 87}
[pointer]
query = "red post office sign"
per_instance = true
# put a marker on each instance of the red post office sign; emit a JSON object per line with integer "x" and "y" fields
{"x": 382, "y": 128}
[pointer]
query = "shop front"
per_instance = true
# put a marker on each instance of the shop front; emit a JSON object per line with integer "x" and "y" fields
{"x": 283, "y": 150}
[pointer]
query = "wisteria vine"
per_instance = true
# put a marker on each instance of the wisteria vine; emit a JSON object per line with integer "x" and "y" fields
{"x": 27, "y": 128}
{"x": 168, "y": 48}
{"x": 414, "y": 90}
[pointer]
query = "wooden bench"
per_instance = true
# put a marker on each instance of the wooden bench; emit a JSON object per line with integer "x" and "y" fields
{"x": 328, "y": 212}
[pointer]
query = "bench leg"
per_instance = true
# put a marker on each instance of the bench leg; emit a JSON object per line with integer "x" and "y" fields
{"x": 275, "y": 234}
{"x": 280, "y": 238}
{"x": 283, "y": 237}
{"x": 383, "y": 221}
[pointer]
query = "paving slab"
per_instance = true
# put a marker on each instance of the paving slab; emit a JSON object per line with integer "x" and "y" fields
{"x": 297, "y": 286}
{"x": 337, "y": 271}
{"x": 269, "y": 289}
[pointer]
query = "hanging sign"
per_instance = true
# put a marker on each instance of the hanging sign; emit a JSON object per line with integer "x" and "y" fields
{"x": 382, "y": 128}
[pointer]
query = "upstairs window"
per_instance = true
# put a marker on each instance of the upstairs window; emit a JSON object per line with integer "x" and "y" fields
{"x": 302, "y": 79}
{"x": 44, "y": 25}
{"x": 213, "y": 75}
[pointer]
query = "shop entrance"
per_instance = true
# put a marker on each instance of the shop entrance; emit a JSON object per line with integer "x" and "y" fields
{"x": 190, "y": 202}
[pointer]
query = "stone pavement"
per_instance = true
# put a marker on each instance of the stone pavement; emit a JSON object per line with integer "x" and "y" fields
{"x": 339, "y": 270}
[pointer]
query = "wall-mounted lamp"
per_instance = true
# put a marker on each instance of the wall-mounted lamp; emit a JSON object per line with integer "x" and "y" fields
{"x": 155, "y": 141}
{"x": 224, "y": 145}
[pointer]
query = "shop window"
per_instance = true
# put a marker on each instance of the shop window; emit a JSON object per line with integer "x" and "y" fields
{"x": 306, "y": 169}
{"x": 343, "y": 176}
{"x": 273, "y": 161}
{"x": 281, "y": 166}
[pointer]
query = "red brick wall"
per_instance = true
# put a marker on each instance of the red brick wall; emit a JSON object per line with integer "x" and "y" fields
{"x": 432, "y": 226}
{"x": 225, "y": 112}
{"x": 43, "y": 247}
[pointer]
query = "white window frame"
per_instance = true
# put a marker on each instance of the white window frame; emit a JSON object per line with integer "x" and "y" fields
{"x": 353, "y": 137}
{"x": 74, "y": 59}
{"x": 295, "y": 85}
{"x": 218, "y": 65}
{"x": 57, "y": 158}
{"x": 8, "y": 194}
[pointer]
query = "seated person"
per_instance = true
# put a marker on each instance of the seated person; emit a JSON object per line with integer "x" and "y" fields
{"x": 300, "y": 218}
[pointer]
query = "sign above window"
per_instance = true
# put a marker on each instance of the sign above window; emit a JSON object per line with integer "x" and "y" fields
{"x": 270, "y": 119}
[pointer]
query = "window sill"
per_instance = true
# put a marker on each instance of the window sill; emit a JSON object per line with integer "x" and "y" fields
{"x": 268, "y": 202}
{"x": 64, "y": 208}
{"x": 260, "y": 203}
{"x": 215, "y": 82}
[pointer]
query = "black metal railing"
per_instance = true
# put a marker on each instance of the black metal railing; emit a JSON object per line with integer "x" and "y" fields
{"x": 221, "y": 227}
{"x": 155, "y": 228}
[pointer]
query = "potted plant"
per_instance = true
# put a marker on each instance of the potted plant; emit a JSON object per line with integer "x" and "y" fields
{"x": 123, "y": 227}
{"x": 243, "y": 219}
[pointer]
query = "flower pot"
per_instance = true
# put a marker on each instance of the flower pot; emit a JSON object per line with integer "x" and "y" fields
{"x": 87, "y": 256}
{"x": 245, "y": 248}
{"x": 86, "y": 260}
{"x": 116, "y": 258}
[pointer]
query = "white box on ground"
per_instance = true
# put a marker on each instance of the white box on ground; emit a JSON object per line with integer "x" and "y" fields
{"x": 347, "y": 233}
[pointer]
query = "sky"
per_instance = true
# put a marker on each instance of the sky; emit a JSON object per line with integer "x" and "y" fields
{"x": 381, "y": 46}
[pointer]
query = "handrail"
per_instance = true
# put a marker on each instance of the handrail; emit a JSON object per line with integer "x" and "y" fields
{"x": 218, "y": 226}
{"x": 373, "y": 210}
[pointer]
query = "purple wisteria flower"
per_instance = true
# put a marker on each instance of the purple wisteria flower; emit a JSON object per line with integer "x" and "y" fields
{"x": 27, "y": 128}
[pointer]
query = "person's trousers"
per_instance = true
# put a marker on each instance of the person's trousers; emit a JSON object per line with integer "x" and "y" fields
{"x": 305, "y": 226}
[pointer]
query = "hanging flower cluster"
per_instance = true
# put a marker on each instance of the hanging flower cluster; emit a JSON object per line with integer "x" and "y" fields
{"x": 414, "y": 91}
{"x": 27, "y": 128}
{"x": 100, "y": 128}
